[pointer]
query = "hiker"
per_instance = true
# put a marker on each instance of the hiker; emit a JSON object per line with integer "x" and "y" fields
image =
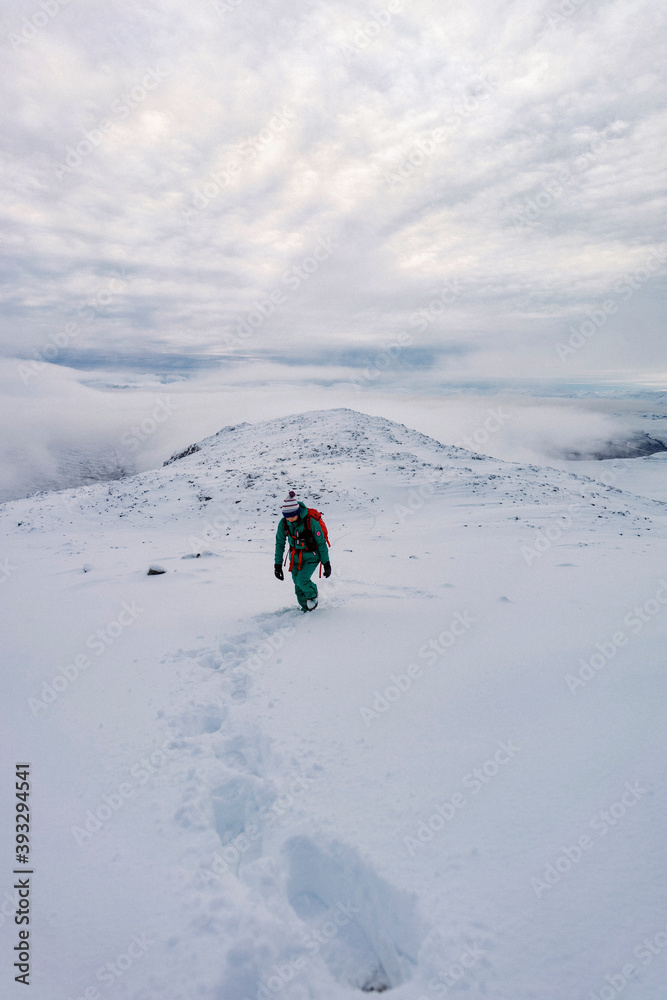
{"x": 306, "y": 533}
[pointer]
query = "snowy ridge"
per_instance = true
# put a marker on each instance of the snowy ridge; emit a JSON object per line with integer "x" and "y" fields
{"x": 321, "y": 454}
{"x": 358, "y": 800}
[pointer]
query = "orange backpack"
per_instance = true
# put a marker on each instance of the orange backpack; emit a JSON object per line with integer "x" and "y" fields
{"x": 320, "y": 520}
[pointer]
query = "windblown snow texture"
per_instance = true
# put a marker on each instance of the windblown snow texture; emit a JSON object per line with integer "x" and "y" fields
{"x": 448, "y": 779}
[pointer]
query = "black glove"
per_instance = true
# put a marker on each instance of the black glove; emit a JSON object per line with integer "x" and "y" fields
{"x": 327, "y": 569}
{"x": 278, "y": 570}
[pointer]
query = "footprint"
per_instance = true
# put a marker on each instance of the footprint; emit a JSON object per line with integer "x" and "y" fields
{"x": 247, "y": 649}
{"x": 232, "y": 753}
{"x": 200, "y": 719}
{"x": 209, "y": 659}
{"x": 237, "y": 803}
{"x": 240, "y": 685}
{"x": 367, "y": 930}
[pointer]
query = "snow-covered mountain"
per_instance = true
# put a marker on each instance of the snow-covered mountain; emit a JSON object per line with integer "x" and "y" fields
{"x": 449, "y": 778}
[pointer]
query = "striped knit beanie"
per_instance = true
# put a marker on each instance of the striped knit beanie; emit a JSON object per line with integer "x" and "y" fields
{"x": 291, "y": 505}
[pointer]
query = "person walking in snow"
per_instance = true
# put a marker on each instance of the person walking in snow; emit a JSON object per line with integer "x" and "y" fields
{"x": 306, "y": 533}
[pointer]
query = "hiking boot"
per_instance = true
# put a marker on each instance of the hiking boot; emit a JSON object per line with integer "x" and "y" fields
{"x": 311, "y": 603}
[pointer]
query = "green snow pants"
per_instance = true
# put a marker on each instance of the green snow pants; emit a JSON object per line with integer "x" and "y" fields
{"x": 303, "y": 585}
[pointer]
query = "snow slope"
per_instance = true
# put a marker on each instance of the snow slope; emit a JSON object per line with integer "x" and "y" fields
{"x": 448, "y": 780}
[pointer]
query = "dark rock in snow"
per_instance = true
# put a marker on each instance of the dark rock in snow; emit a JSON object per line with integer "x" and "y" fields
{"x": 182, "y": 454}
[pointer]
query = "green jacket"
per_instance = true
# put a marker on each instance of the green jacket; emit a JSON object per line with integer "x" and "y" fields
{"x": 294, "y": 532}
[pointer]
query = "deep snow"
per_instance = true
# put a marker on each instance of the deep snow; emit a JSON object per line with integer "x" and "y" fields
{"x": 418, "y": 786}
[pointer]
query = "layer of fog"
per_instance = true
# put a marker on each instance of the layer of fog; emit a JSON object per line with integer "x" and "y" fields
{"x": 64, "y": 427}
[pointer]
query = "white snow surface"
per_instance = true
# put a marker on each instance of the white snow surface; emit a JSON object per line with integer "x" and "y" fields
{"x": 416, "y": 788}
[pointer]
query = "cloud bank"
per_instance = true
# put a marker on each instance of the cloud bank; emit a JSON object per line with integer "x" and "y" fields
{"x": 240, "y": 180}
{"x": 67, "y": 428}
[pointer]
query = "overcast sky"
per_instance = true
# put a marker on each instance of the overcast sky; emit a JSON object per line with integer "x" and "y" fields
{"x": 463, "y": 184}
